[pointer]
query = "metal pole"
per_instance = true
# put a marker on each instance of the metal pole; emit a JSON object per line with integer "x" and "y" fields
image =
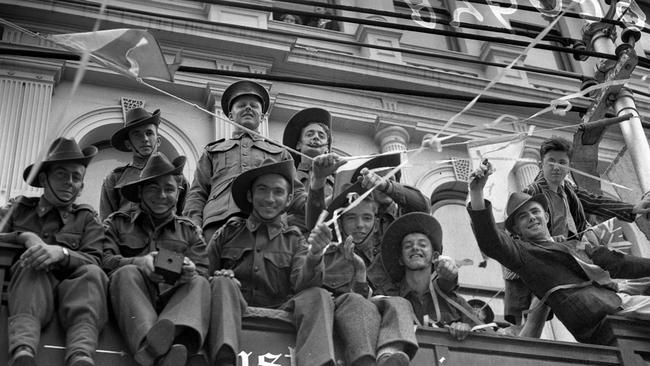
{"x": 635, "y": 137}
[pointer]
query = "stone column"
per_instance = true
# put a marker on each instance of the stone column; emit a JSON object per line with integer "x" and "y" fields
{"x": 392, "y": 139}
{"x": 26, "y": 89}
{"x": 526, "y": 171}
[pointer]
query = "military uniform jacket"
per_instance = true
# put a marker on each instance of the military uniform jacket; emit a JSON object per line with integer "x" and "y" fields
{"x": 545, "y": 265}
{"x": 209, "y": 198}
{"x": 111, "y": 199}
{"x": 132, "y": 234}
{"x": 338, "y": 277}
{"x": 75, "y": 227}
{"x": 270, "y": 259}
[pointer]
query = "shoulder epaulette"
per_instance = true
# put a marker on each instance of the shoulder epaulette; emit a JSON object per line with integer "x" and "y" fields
{"x": 215, "y": 142}
{"x": 116, "y": 214}
{"x": 292, "y": 229}
{"x": 120, "y": 169}
{"x": 83, "y": 206}
{"x": 27, "y": 201}
{"x": 184, "y": 220}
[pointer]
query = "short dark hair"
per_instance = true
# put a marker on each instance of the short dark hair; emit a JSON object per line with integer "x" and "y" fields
{"x": 556, "y": 143}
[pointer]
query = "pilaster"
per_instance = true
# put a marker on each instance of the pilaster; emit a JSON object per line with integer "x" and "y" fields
{"x": 526, "y": 171}
{"x": 26, "y": 89}
{"x": 392, "y": 139}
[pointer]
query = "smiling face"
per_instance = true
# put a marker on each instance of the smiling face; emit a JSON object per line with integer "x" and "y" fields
{"x": 270, "y": 195}
{"x": 554, "y": 166}
{"x": 247, "y": 111}
{"x": 62, "y": 182}
{"x": 160, "y": 195}
{"x": 417, "y": 252}
{"x": 143, "y": 140}
{"x": 359, "y": 221}
{"x": 313, "y": 140}
{"x": 530, "y": 222}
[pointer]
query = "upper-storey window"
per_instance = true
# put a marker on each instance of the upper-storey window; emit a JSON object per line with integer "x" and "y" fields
{"x": 315, "y": 20}
{"x": 431, "y": 14}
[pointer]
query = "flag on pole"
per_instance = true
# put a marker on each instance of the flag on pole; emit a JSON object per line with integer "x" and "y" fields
{"x": 134, "y": 51}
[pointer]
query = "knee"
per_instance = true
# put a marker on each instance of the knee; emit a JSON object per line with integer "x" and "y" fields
{"x": 313, "y": 299}
{"x": 221, "y": 284}
{"x": 352, "y": 299}
{"x": 93, "y": 273}
{"x": 128, "y": 273}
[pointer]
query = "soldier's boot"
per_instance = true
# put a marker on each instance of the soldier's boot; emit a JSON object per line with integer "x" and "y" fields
{"x": 81, "y": 343}
{"x": 24, "y": 336}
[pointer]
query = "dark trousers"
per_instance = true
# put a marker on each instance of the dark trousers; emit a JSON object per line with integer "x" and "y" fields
{"x": 138, "y": 305}
{"x": 356, "y": 321}
{"x": 397, "y": 323}
{"x": 79, "y": 298}
{"x": 312, "y": 312}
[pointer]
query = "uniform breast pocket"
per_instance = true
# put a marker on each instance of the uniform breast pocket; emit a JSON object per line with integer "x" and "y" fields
{"x": 264, "y": 150}
{"x": 133, "y": 245}
{"x": 68, "y": 240}
{"x": 278, "y": 259}
{"x": 175, "y": 245}
{"x": 231, "y": 257}
{"x": 224, "y": 157}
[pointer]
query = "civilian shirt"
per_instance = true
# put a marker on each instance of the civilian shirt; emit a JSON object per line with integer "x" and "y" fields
{"x": 133, "y": 234}
{"x": 75, "y": 227}
{"x": 111, "y": 200}
{"x": 269, "y": 258}
{"x": 580, "y": 201}
{"x": 209, "y": 199}
{"x": 315, "y": 201}
{"x": 545, "y": 265}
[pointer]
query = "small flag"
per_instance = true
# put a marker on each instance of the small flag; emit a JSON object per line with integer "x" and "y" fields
{"x": 134, "y": 51}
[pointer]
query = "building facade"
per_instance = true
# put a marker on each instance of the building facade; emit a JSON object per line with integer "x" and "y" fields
{"x": 40, "y": 100}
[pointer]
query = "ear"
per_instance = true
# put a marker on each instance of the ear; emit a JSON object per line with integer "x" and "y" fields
{"x": 547, "y": 216}
{"x": 230, "y": 116}
{"x": 128, "y": 144}
{"x": 42, "y": 178}
{"x": 81, "y": 188}
{"x": 289, "y": 200}
{"x": 400, "y": 262}
{"x": 298, "y": 145}
{"x": 158, "y": 140}
{"x": 249, "y": 196}
{"x": 434, "y": 256}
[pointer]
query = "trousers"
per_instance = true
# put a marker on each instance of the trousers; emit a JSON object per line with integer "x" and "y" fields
{"x": 79, "y": 297}
{"x": 312, "y": 313}
{"x": 138, "y": 305}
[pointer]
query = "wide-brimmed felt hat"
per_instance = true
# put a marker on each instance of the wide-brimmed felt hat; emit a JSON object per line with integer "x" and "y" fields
{"x": 300, "y": 120}
{"x": 391, "y": 245}
{"x": 516, "y": 201}
{"x": 380, "y": 161}
{"x": 343, "y": 199}
{"x": 157, "y": 166}
{"x": 61, "y": 151}
{"x": 242, "y": 184}
{"x": 136, "y": 117}
{"x": 244, "y": 87}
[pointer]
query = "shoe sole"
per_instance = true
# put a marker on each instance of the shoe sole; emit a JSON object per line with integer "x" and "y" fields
{"x": 25, "y": 359}
{"x": 160, "y": 337}
{"x": 395, "y": 359}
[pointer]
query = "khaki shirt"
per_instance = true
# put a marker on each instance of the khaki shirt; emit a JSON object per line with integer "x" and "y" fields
{"x": 270, "y": 259}
{"x": 111, "y": 200}
{"x": 132, "y": 234}
{"x": 75, "y": 227}
{"x": 209, "y": 199}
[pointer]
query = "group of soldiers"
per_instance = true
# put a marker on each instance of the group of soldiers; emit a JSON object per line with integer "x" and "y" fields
{"x": 251, "y": 232}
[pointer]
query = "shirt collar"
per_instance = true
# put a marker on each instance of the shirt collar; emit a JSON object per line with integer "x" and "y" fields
{"x": 139, "y": 161}
{"x": 44, "y": 206}
{"x": 138, "y": 213}
{"x": 239, "y": 133}
{"x": 274, "y": 227}
{"x": 544, "y": 184}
